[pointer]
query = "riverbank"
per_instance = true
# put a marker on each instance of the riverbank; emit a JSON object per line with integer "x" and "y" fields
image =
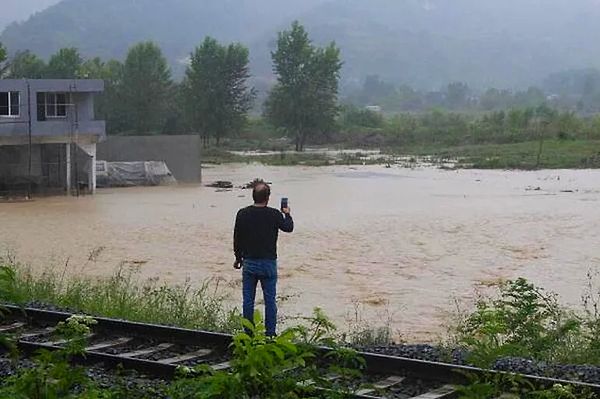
{"x": 555, "y": 154}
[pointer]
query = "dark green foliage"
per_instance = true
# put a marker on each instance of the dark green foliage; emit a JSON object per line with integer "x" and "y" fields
{"x": 508, "y": 386}
{"x": 457, "y": 95}
{"x": 273, "y": 368}
{"x": 3, "y": 65}
{"x": 304, "y": 100}
{"x": 25, "y": 64}
{"x": 146, "y": 89}
{"x": 65, "y": 64}
{"x": 525, "y": 321}
{"x": 216, "y": 92}
{"x": 355, "y": 117}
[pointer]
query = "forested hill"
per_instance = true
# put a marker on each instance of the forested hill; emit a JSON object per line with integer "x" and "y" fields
{"x": 424, "y": 43}
{"x": 19, "y": 10}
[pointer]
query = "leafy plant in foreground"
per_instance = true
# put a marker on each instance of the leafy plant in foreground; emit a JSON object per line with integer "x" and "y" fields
{"x": 280, "y": 367}
{"x": 53, "y": 377}
{"x": 510, "y": 386}
{"x": 261, "y": 367}
{"x": 523, "y": 321}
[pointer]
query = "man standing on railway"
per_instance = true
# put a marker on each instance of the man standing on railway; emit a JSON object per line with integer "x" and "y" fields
{"x": 255, "y": 246}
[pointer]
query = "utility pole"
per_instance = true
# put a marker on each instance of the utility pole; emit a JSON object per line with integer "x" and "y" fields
{"x": 29, "y": 136}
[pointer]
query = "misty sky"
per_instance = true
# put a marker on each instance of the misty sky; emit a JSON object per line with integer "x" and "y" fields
{"x": 18, "y": 10}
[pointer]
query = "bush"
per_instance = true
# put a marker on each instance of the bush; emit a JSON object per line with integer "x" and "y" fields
{"x": 525, "y": 321}
{"x": 273, "y": 368}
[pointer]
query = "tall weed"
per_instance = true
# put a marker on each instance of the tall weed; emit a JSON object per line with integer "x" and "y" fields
{"x": 123, "y": 295}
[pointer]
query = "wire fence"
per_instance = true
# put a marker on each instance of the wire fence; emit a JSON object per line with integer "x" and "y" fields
{"x": 49, "y": 171}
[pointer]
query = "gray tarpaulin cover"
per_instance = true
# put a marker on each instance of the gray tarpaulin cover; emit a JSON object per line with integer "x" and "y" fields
{"x": 127, "y": 174}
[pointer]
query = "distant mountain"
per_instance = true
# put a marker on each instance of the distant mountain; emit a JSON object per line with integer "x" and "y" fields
{"x": 425, "y": 43}
{"x": 19, "y": 10}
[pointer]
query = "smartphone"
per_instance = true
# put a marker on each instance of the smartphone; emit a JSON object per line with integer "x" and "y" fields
{"x": 284, "y": 203}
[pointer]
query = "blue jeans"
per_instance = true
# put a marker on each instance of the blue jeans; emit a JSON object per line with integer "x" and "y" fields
{"x": 265, "y": 271}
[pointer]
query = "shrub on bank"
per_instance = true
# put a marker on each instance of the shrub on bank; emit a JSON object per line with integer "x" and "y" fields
{"x": 522, "y": 320}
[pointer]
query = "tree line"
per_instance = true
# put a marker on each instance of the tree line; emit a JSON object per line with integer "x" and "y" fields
{"x": 215, "y": 95}
{"x": 448, "y": 128}
{"x": 577, "y": 90}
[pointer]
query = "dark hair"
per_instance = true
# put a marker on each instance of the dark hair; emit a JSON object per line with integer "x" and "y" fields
{"x": 261, "y": 193}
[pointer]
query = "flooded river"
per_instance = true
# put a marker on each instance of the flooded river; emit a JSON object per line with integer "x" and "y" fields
{"x": 400, "y": 243}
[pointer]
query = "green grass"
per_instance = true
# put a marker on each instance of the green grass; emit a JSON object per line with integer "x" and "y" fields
{"x": 556, "y": 154}
{"x": 123, "y": 295}
{"x": 520, "y": 320}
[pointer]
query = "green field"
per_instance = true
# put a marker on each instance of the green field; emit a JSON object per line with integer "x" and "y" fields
{"x": 556, "y": 154}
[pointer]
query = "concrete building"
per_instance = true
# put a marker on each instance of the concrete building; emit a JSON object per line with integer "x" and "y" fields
{"x": 48, "y": 135}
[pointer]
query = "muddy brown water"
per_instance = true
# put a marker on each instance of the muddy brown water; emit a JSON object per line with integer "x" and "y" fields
{"x": 398, "y": 243}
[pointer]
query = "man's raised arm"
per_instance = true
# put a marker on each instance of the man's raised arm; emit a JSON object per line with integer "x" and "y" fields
{"x": 287, "y": 223}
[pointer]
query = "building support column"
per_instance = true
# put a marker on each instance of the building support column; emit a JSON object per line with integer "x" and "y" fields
{"x": 92, "y": 175}
{"x": 90, "y": 149}
{"x": 68, "y": 168}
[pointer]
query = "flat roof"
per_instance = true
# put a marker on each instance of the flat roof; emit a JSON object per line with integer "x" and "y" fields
{"x": 54, "y": 85}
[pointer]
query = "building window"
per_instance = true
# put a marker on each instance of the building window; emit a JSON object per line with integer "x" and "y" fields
{"x": 52, "y": 105}
{"x": 56, "y": 105}
{"x": 10, "y": 103}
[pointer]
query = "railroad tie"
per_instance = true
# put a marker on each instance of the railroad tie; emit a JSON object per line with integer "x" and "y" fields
{"x": 63, "y": 341}
{"x": 109, "y": 344}
{"x": 447, "y": 391}
{"x": 148, "y": 351}
{"x": 12, "y": 327}
{"x": 380, "y": 385}
{"x": 221, "y": 366}
{"x": 199, "y": 354}
{"x": 328, "y": 377}
{"x": 38, "y": 334}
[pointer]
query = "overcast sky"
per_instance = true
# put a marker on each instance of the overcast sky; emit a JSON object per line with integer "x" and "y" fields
{"x": 18, "y": 10}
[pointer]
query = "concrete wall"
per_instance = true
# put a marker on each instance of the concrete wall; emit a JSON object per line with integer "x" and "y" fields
{"x": 181, "y": 153}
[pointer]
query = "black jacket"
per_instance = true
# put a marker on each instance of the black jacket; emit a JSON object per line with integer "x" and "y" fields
{"x": 256, "y": 232}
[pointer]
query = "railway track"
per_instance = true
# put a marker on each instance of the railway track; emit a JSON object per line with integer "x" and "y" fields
{"x": 158, "y": 351}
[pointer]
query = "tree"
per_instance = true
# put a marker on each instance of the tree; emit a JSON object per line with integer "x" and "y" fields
{"x": 217, "y": 94}
{"x": 3, "y": 66}
{"x": 457, "y": 95}
{"x": 65, "y": 64}
{"x": 109, "y": 104}
{"x": 374, "y": 91}
{"x": 304, "y": 100}
{"x": 146, "y": 88}
{"x": 239, "y": 96}
{"x": 544, "y": 117}
{"x": 494, "y": 99}
{"x": 26, "y": 65}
